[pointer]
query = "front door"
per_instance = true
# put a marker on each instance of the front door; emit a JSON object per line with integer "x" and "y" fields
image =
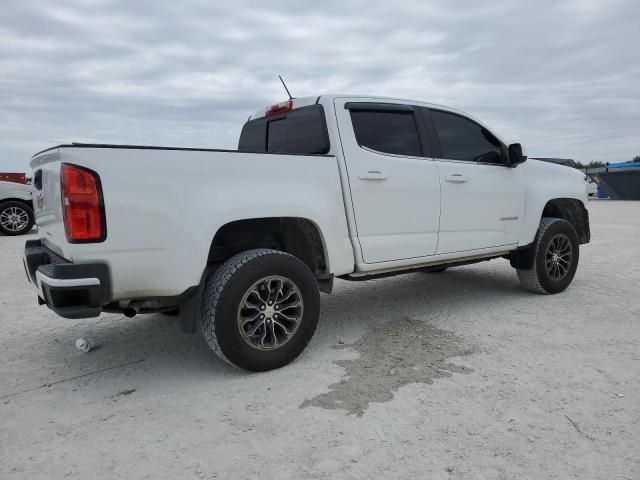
{"x": 482, "y": 198}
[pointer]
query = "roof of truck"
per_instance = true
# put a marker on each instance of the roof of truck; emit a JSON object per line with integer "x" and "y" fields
{"x": 328, "y": 98}
{"x": 310, "y": 100}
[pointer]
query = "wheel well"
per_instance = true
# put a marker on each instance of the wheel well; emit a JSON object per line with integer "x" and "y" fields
{"x": 298, "y": 236}
{"x": 28, "y": 203}
{"x": 574, "y": 212}
{"x": 568, "y": 209}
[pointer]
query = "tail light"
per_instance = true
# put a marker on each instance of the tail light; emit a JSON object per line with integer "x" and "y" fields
{"x": 82, "y": 205}
{"x": 282, "y": 107}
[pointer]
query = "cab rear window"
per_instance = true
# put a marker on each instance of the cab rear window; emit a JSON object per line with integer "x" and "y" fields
{"x": 302, "y": 131}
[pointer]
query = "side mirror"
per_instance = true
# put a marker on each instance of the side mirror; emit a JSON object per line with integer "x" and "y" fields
{"x": 516, "y": 157}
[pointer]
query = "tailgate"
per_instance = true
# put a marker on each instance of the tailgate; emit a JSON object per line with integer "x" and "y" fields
{"x": 47, "y": 204}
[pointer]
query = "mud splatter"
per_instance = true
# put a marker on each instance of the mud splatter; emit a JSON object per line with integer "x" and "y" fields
{"x": 396, "y": 354}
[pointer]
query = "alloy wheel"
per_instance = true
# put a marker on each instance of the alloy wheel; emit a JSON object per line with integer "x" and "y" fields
{"x": 558, "y": 257}
{"x": 14, "y": 219}
{"x": 270, "y": 313}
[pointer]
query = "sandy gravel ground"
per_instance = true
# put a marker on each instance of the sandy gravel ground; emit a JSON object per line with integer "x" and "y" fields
{"x": 453, "y": 375}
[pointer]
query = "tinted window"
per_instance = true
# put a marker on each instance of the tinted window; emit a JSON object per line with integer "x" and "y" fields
{"x": 253, "y": 137}
{"x": 301, "y": 131}
{"x": 462, "y": 139}
{"x": 387, "y": 131}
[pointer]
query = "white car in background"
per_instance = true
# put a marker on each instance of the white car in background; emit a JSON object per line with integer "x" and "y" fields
{"x": 592, "y": 187}
{"x": 16, "y": 208}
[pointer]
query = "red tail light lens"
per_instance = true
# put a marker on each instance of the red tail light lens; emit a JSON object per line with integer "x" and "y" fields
{"x": 82, "y": 205}
{"x": 282, "y": 107}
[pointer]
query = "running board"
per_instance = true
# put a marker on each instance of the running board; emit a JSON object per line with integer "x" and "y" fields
{"x": 385, "y": 272}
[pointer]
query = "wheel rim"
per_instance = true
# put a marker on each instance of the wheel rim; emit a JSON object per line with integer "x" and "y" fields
{"x": 14, "y": 219}
{"x": 270, "y": 313}
{"x": 559, "y": 257}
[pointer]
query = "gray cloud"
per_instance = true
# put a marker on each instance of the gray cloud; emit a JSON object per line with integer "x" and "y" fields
{"x": 561, "y": 77}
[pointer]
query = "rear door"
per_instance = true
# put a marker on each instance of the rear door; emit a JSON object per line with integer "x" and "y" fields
{"x": 482, "y": 198}
{"x": 394, "y": 182}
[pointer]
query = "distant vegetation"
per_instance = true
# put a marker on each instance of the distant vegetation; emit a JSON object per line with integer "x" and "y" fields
{"x": 592, "y": 164}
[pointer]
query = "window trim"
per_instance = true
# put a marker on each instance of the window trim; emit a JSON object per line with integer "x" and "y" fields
{"x": 389, "y": 154}
{"x": 426, "y": 150}
{"x": 378, "y": 107}
{"x": 435, "y": 138}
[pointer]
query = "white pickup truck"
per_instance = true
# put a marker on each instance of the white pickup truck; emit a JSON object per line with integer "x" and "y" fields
{"x": 241, "y": 242}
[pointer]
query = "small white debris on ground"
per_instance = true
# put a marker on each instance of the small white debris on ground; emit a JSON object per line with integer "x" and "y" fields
{"x": 83, "y": 345}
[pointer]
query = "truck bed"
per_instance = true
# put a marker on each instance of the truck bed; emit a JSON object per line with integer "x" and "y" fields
{"x": 164, "y": 205}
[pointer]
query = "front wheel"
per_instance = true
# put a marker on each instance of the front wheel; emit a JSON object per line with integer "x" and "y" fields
{"x": 260, "y": 309}
{"x": 16, "y": 218}
{"x": 556, "y": 254}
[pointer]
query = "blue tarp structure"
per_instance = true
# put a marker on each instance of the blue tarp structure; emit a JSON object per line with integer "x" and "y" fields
{"x": 620, "y": 181}
{"x": 624, "y": 165}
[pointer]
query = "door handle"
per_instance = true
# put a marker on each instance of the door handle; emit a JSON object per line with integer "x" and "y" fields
{"x": 373, "y": 175}
{"x": 456, "y": 178}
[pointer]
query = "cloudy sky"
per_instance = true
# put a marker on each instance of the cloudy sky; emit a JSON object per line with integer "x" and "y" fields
{"x": 562, "y": 77}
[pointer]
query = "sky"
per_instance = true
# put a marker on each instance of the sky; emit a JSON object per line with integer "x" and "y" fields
{"x": 561, "y": 77}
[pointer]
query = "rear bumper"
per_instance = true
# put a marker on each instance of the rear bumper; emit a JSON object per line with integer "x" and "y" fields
{"x": 70, "y": 290}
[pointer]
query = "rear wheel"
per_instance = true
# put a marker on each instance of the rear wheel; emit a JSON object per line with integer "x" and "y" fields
{"x": 260, "y": 309}
{"x": 555, "y": 259}
{"x": 16, "y": 218}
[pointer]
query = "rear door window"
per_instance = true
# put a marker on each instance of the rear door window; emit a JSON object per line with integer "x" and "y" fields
{"x": 387, "y": 131}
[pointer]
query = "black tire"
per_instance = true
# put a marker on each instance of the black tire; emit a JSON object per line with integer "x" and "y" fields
{"x": 221, "y": 314}
{"x": 540, "y": 278}
{"x": 8, "y": 208}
